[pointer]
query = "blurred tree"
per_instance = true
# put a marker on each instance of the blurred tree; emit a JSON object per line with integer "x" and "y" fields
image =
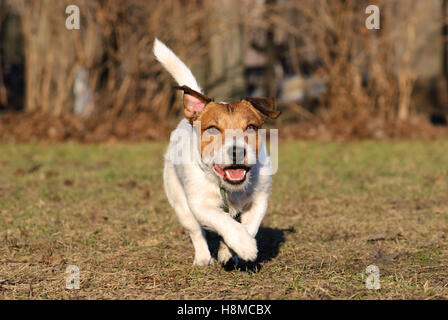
{"x": 271, "y": 54}
{"x": 222, "y": 74}
{"x": 445, "y": 38}
{"x": 11, "y": 58}
{"x": 3, "y": 97}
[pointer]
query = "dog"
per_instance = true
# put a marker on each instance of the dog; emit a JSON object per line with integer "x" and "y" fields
{"x": 213, "y": 177}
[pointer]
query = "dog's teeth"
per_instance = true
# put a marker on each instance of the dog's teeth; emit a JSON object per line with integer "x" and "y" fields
{"x": 230, "y": 177}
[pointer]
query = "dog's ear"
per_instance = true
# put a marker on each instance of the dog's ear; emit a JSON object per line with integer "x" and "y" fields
{"x": 266, "y": 106}
{"x": 194, "y": 102}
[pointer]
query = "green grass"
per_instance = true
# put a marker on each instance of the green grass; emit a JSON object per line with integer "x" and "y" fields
{"x": 102, "y": 208}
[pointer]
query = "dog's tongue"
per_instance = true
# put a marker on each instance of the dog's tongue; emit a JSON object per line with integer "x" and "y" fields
{"x": 235, "y": 174}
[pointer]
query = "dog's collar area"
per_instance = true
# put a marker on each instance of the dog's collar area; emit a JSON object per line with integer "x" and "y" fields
{"x": 225, "y": 203}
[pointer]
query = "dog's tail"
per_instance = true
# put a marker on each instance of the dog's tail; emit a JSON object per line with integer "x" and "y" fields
{"x": 175, "y": 66}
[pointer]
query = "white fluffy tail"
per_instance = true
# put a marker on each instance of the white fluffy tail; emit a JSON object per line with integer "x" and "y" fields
{"x": 175, "y": 66}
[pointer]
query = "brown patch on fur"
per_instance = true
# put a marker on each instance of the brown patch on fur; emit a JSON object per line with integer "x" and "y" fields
{"x": 194, "y": 102}
{"x": 188, "y": 90}
{"x": 266, "y": 106}
{"x": 227, "y": 116}
{"x": 236, "y": 116}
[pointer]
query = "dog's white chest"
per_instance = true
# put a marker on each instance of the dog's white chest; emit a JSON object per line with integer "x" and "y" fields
{"x": 232, "y": 203}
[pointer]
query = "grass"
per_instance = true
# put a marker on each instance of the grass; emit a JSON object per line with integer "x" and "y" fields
{"x": 334, "y": 210}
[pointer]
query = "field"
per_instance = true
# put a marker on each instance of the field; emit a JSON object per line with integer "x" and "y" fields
{"x": 335, "y": 209}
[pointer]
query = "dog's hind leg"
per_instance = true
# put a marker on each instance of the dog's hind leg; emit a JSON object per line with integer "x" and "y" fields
{"x": 177, "y": 199}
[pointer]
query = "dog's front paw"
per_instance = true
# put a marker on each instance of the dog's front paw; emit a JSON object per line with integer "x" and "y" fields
{"x": 224, "y": 253}
{"x": 202, "y": 261}
{"x": 244, "y": 245}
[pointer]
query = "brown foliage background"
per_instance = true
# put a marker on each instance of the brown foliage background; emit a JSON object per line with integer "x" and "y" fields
{"x": 369, "y": 76}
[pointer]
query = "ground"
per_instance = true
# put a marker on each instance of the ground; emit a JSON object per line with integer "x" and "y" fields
{"x": 335, "y": 209}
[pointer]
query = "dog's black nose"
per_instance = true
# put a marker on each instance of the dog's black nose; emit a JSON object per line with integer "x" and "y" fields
{"x": 237, "y": 154}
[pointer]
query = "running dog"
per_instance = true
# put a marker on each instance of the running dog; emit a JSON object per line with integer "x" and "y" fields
{"x": 217, "y": 171}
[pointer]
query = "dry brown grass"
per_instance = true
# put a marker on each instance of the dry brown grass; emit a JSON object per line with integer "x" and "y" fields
{"x": 335, "y": 209}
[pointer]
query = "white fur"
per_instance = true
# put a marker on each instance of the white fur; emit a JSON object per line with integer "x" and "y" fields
{"x": 175, "y": 66}
{"x": 193, "y": 190}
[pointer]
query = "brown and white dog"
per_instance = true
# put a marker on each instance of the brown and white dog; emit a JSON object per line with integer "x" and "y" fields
{"x": 217, "y": 171}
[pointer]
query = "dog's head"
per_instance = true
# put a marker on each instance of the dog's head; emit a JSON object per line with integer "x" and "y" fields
{"x": 230, "y": 142}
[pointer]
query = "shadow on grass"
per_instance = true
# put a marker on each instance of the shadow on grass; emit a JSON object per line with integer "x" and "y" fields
{"x": 269, "y": 241}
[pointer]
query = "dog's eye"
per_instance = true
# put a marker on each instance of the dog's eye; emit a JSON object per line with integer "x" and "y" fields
{"x": 251, "y": 128}
{"x": 213, "y": 131}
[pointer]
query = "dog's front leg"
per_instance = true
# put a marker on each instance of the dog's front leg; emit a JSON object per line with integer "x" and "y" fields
{"x": 233, "y": 233}
{"x": 224, "y": 253}
{"x": 251, "y": 220}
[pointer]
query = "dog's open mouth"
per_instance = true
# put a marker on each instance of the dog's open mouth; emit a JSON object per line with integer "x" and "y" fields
{"x": 233, "y": 174}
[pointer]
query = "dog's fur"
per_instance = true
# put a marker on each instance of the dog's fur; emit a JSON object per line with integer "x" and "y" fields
{"x": 205, "y": 191}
